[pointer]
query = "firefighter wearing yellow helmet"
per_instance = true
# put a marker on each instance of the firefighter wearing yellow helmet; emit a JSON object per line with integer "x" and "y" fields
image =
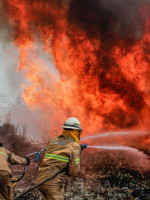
{"x": 62, "y": 152}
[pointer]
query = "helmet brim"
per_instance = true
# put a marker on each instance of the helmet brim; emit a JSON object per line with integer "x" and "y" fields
{"x": 72, "y": 127}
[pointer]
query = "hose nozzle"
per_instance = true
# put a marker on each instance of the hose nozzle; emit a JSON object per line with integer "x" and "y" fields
{"x": 83, "y": 146}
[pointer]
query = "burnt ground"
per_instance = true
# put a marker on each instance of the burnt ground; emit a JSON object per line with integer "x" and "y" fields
{"x": 103, "y": 176}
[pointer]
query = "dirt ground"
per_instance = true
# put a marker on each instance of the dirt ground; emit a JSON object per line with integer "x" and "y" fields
{"x": 104, "y": 176}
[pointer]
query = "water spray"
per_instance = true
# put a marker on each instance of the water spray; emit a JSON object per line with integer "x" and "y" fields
{"x": 114, "y": 148}
{"x": 119, "y": 133}
{"x": 84, "y": 146}
{"x": 109, "y": 134}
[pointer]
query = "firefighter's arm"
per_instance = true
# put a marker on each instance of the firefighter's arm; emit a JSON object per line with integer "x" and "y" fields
{"x": 74, "y": 164}
{"x": 16, "y": 160}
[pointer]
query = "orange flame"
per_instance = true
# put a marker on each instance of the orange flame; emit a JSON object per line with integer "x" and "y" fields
{"x": 103, "y": 83}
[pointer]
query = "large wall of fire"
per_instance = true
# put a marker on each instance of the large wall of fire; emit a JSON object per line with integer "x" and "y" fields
{"x": 101, "y": 49}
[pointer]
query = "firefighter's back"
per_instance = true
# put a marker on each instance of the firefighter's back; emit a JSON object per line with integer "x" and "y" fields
{"x": 57, "y": 157}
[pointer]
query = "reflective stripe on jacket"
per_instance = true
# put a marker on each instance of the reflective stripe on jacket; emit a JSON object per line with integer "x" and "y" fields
{"x": 62, "y": 152}
{"x": 56, "y": 157}
{"x": 7, "y": 157}
{"x": 4, "y": 155}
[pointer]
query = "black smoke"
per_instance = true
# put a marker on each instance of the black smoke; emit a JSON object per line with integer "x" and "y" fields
{"x": 115, "y": 23}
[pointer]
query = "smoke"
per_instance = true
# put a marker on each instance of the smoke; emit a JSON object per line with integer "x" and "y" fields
{"x": 116, "y": 160}
{"x": 100, "y": 49}
{"x": 111, "y": 20}
{"x": 114, "y": 24}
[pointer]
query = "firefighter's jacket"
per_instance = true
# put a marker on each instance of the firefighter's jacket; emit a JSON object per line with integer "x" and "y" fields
{"x": 7, "y": 157}
{"x": 62, "y": 152}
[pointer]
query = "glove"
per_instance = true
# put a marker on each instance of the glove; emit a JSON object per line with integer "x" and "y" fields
{"x": 83, "y": 146}
{"x": 28, "y": 161}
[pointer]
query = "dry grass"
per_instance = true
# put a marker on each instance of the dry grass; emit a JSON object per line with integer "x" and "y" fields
{"x": 107, "y": 175}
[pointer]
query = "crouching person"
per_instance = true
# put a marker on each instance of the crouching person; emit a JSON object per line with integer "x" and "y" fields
{"x": 62, "y": 152}
{"x": 7, "y": 157}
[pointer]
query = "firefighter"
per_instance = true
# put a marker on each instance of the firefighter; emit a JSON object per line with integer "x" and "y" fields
{"x": 7, "y": 157}
{"x": 62, "y": 152}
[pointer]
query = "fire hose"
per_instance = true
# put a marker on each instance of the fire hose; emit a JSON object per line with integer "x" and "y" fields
{"x": 24, "y": 170}
{"x": 15, "y": 180}
{"x": 59, "y": 172}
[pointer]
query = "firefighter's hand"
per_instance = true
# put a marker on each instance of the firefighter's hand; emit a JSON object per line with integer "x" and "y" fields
{"x": 83, "y": 146}
{"x": 28, "y": 161}
{"x": 81, "y": 149}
